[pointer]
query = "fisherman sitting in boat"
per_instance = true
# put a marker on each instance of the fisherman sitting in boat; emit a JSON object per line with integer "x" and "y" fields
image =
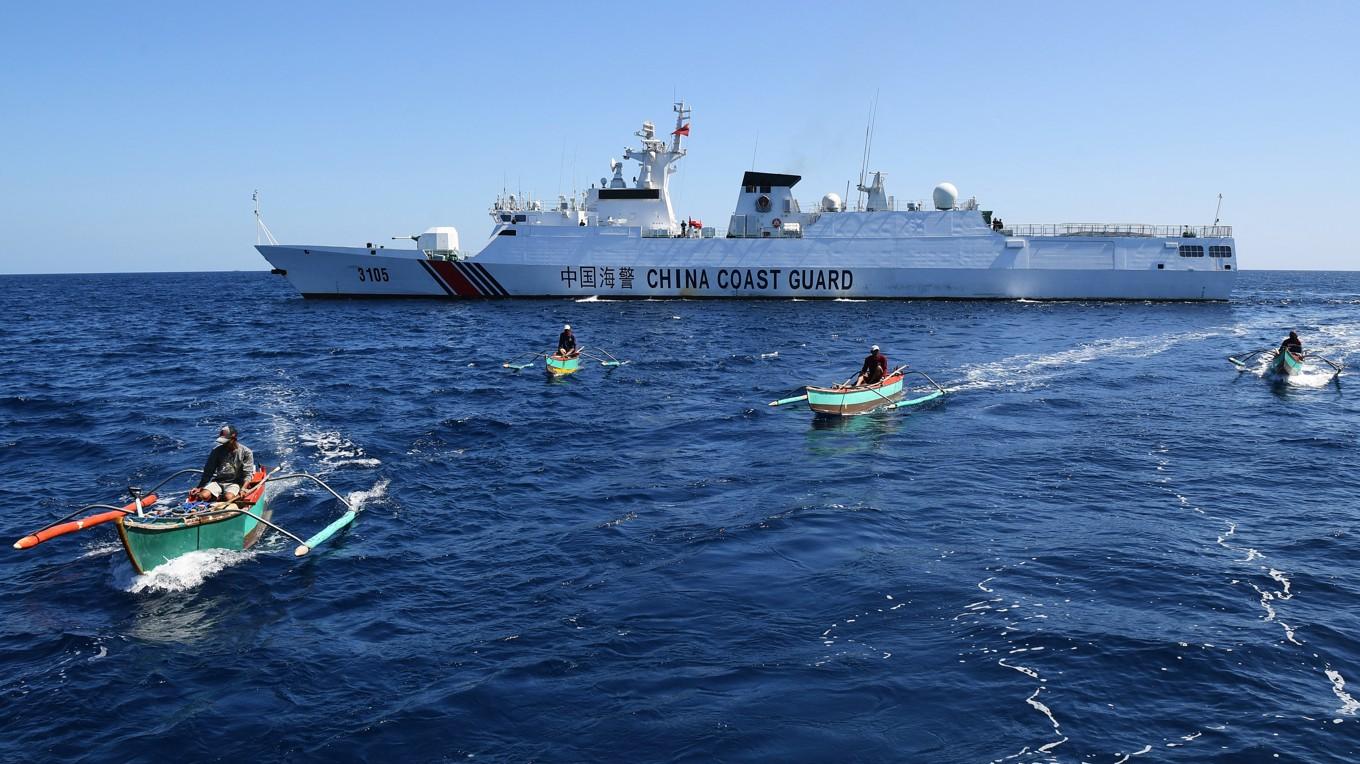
{"x": 566, "y": 343}
{"x": 875, "y": 368}
{"x": 1293, "y": 344}
{"x": 229, "y": 469}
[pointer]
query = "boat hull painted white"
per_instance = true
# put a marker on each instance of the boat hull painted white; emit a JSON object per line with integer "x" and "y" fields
{"x": 556, "y": 262}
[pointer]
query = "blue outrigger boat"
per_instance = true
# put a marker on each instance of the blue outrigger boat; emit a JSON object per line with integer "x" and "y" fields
{"x": 560, "y": 366}
{"x": 850, "y": 400}
{"x": 154, "y": 532}
{"x": 1281, "y": 363}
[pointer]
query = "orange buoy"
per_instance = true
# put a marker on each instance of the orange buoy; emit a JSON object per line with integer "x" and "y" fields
{"x": 35, "y": 539}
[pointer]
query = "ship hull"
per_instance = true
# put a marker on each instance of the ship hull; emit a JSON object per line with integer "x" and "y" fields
{"x": 554, "y": 262}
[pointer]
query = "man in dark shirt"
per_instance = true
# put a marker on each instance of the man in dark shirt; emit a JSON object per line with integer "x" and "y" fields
{"x": 566, "y": 343}
{"x": 229, "y": 469}
{"x": 875, "y": 368}
{"x": 1292, "y": 343}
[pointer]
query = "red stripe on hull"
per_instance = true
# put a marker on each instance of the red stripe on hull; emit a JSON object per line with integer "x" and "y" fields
{"x": 453, "y": 278}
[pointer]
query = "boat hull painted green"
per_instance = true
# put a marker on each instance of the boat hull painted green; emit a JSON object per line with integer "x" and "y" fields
{"x": 1286, "y": 364}
{"x": 558, "y": 367}
{"x": 151, "y": 542}
{"x": 849, "y": 401}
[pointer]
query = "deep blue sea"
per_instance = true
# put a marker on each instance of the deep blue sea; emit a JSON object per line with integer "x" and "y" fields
{"x": 1104, "y": 545}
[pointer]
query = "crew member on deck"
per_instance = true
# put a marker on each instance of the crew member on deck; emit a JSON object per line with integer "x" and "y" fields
{"x": 875, "y": 368}
{"x": 229, "y": 469}
{"x": 566, "y": 343}
{"x": 1292, "y": 343}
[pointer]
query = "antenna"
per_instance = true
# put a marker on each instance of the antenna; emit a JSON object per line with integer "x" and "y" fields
{"x": 754, "y": 150}
{"x": 868, "y": 148}
{"x": 1218, "y": 209}
{"x": 261, "y": 230}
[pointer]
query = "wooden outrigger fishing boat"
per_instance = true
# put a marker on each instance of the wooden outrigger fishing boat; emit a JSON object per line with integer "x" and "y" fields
{"x": 1281, "y": 363}
{"x": 849, "y": 400}
{"x": 153, "y": 533}
{"x": 560, "y": 366}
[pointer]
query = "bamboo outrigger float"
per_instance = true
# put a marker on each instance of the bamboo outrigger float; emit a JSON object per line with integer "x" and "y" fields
{"x": 850, "y": 400}
{"x": 153, "y": 533}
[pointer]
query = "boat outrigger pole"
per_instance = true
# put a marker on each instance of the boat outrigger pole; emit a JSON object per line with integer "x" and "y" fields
{"x": 324, "y": 535}
{"x": 141, "y": 500}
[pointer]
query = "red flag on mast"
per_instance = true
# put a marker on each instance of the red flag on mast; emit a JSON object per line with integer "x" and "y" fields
{"x": 682, "y": 130}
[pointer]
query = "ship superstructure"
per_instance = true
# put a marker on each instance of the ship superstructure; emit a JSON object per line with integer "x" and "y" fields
{"x": 622, "y": 239}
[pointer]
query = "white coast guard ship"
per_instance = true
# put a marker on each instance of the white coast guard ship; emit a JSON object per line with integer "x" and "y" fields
{"x": 622, "y": 239}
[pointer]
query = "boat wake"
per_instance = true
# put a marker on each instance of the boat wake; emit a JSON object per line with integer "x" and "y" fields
{"x": 188, "y": 571}
{"x": 1030, "y": 370}
{"x": 357, "y": 499}
{"x": 335, "y": 450}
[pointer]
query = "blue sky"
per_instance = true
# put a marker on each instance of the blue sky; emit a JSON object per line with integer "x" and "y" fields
{"x": 134, "y": 134}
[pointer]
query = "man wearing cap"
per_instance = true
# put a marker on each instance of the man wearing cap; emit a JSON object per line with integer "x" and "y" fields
{"x": 875, "y": 368}
{"x": 566, "y": 343}
{"x": 230, "y": 467}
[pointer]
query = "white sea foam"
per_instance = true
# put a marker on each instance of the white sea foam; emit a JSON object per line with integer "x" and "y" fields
{"x": 1349, "y": 705}
{"x": 188, "y": 571}
{"x": 1031, "y": 369}
{"x": 334, "y": 450}
{"x": 357, "y": 499}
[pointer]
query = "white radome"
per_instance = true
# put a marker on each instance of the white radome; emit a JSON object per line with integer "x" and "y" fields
{"x": 831, "y": 202}
{"x": 946, "y": 196}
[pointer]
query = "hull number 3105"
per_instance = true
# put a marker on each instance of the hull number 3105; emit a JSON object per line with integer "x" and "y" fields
{"x": 373, "y": 274}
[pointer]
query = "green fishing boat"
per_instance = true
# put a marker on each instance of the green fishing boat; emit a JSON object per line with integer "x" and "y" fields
{"x": 1286, "y": 363}
{"x": 161, "y": 534}
{"x": 558, "y": 366}
{"x": 155, "y": 532}
{"x": 1280, "y": 363}
{"x": 851, "y": 400}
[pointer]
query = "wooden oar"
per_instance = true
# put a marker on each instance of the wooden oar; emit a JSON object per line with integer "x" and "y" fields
{"x": 46, "y": 534}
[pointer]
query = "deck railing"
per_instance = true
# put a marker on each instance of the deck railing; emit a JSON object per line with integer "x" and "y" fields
{"x": 1119, "y": 229}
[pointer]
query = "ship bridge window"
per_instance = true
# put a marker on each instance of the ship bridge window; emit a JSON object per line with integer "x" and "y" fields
{"x": 505, "y": 218}
{"x": 521, "y": 218}
{"x": 750, "y": 189}
{"x": 764, "y": 189}
{"x": 1219, "y": 251}
{"x": 1192, "y": 250}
